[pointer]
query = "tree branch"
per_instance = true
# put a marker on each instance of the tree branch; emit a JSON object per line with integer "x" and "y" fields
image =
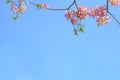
{"x": 58, "y": 8}
{"x": 75, "y": 3}
{"x": 114, "y": 17}
{"x": 108, "y": 12}
{"x": 71, "y": 4}
{"x": 107, "y": 5}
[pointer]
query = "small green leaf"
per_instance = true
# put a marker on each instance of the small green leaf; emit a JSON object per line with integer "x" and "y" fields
{"x": 81, "y": 29}
{"x": 75, "y": 32}
{"x": 15, "y": 17}
{"x": 8, "y": 1}
{"x": 38, "y": 6}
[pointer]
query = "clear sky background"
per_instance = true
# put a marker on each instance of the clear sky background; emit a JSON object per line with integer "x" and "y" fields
{"x": 41, "y": 45}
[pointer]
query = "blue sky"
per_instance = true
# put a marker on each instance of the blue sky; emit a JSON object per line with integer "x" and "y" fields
{"x": 41, "y": 45}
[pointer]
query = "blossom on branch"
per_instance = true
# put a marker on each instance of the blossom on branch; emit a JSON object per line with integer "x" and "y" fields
{"x": 70, "y": 15}
{"x": 97, "y": 11}
{"x": 102, "y": 20}
{"x": 81, "y": 12}
{"x": 18, "y": 9}
{"x": 93, "y": 12}
{"x": 101, "y": 14}
{"x": 44, "y": 6}
{"x": 75, "y": 16}
{"x": 114, "y": 2}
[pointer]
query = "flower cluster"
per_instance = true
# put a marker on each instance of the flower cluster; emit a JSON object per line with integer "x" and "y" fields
{"x": 97, "y": 11}
{"x": 71, "y": 15}
{"x": 100, "y": 12}
{"x": 114, "y": 2}
{"x": 18, "y": 8}
{"x": 103, "y": 20}
{"x": 82, "y": 12}
{"x": 74, "y": 16}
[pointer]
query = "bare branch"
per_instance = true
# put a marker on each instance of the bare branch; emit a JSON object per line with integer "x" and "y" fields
{"x": 114, "y": 17}
{"x": 71, "y": 4}
{"x": 57, "y": 9}
{"x": 107, "y": 5}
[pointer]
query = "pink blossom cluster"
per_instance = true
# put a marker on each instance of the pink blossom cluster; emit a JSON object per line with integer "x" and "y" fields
{"x": 97, "y": 11}
{"x": 114, "y": 2}
{"x": 71, "y": 15}
{"x": 100, "y": 13}
{"x": 103, "y": 20}
{"x": 18, "y": 9}
{"x": 82, "y": 12}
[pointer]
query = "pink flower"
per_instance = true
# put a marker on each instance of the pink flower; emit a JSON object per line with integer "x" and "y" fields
{"x": 103, "y": 20}
{"x": 17, "y": 9}
{"x": 114, "y": 2}
{"x": 82, "y": 12}
{"x": 73, "y": 21}
{"x": 67, "y": 15}
{"x": 102, "y": 11}
{"x": 22, "y": 8}
{"x": 44, "y": 6}
{"x": 71, "y": 16}
{"x": 97, "y": 11}
{"x": 93, "y": 12}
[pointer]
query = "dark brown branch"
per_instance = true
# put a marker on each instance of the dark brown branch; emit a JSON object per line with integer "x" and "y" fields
{"x": 76, "y": 4}
{"x": 114, "y": 17}
{"x": 108, "y": 12}
{"x": 107, "y": 5}
{"x": 49, "y": 8}
{"x": 63, "y": 8}
{"x": 58, "y": 8}
{"x": 71, "y": 4}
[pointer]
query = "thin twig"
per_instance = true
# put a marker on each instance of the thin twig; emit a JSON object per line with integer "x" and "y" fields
{"x": 58, "y": 8}
{"x": 114, "y": 17}
{"x": 107, "y": 5}
{"x": 108, "y": 12}
{"x": 71, "y": 4}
